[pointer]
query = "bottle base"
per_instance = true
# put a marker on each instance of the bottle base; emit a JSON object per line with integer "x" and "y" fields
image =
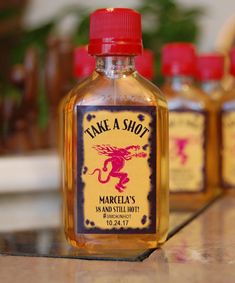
{"x": 129, "y": 247}
{"x": 192, "y": 201}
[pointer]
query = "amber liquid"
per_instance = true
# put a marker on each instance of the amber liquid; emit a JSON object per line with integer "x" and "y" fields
{"x": 115, "y": 82}
{"x": 227, "y": 104}
{"x": 216, "y": 93}
{"x": 183, "y": 95}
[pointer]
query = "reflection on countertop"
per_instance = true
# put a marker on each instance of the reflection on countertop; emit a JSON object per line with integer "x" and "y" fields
{"x": 201, "y": 251}
{"x": 30, "y": 224}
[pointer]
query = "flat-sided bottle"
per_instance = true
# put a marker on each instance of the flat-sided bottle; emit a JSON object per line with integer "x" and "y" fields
{"x": 115, "y": 147}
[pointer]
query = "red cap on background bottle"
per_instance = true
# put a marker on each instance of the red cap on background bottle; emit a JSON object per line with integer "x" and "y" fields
{"x": 84, "y": 64}
{"x": 178, "y": 58}
{"x": 145, "y": 64}
{"x": 115, "y": 31}
{"x": 210, "y": 67}
{"x": 232, "y": 62}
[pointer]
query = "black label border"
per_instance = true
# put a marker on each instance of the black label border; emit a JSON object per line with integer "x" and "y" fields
{"x": 81, "y": 229}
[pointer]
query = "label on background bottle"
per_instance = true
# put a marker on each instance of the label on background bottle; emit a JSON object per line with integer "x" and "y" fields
{"x": 116, "y": 161}
{"x": 228, "y": 151}
{"x": 187, "y": 151}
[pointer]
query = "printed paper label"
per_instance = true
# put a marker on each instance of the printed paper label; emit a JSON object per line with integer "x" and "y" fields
{"x": 116, "y": 190}
{"x": 187, "y": 151}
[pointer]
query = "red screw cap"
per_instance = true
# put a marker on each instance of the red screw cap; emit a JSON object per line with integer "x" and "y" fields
{"x": 178, "y": 58}
{"x": 232, "y": 62}
{"x": 115, "y": 31}
{"x": 145, "y": 64}
{"x": 210, "y": 67}
{"x": 84, "y": 64}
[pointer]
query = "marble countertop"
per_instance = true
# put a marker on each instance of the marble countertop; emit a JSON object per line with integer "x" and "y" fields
{"x": 202, "y": 251}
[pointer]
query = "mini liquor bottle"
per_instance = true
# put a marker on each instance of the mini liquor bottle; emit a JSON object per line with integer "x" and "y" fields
{"x": 144, "y": 64}
{"x": 228, "y": 132}
{"x": 193, "y": 169}
{"x": 209, "y": 74}
{"x": 115, "y": 147}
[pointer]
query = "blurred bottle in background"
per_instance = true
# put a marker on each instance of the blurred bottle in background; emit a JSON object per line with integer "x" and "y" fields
{"x": 23, "y": 129}
{"x": 83, "y": 64}
{"x": 209, "y": 73}
{"x": 193, "y": 168}
{"x": 145, "y": 64}
{"x": 228, "y": 131}
{"x": 115, "y": 91}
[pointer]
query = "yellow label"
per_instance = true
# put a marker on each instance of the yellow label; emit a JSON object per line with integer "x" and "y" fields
{"x": 116, "y": 169}
{"x": 187, "y": 151}
{"x": 228, "y": 152}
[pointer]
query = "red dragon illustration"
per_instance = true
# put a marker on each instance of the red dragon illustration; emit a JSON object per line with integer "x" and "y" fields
{"x": 117, "y": 159}
{"x": 179, "y": 146}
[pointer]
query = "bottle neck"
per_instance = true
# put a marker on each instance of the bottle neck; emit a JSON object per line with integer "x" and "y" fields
{"x": 210, "y": 86}
{"x": 179, "y": 81}
{"x": 115, "y": 66}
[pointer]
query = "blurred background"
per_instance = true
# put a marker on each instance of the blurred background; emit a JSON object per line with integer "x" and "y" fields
{"x": 214, "y": 15}
{"x": 37, "y": 39}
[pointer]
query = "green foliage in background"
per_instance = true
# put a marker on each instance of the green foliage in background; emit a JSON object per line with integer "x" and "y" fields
{"x": 163, "y": 21}
{"x": 166, "y": 21}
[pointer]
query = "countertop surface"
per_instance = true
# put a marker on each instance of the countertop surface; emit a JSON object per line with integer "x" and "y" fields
{"x": 202, "y": 251}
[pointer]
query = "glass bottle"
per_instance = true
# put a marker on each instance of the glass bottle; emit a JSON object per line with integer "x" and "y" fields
{"x": 193, "y": 168}
{"x": 116, "y": 147}
{"x": 228, "y": 132}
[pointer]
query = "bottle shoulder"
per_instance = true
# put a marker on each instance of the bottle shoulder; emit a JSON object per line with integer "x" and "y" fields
{"x": 128, "y": 90}
{"x": 228, "y": 100}
{"x": 213, "y": 89}
{"x": 187, "y": 96}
